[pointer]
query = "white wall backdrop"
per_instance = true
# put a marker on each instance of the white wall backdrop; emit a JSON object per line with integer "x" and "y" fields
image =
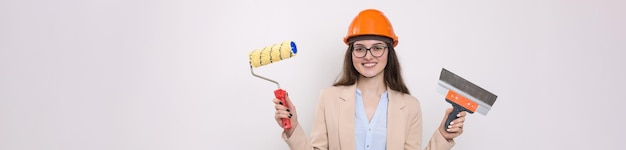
{"x": 162, "y": 75}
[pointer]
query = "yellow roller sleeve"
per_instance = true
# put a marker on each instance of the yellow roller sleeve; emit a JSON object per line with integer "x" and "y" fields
{"x": 272, "y": 53}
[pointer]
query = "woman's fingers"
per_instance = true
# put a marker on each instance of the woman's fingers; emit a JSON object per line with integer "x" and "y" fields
{"x": 282, "y": 114}
{"x": 457, "y": 124}
{"x": 462, "y": 114}
{"x": 455, "y": 130}
{"x": 279, "y": 106}
{"x": 461, "y": 119}
{"x": 285, "y": 110}
{"x": 277, "y": 101}
{"x": 281, "y": 110}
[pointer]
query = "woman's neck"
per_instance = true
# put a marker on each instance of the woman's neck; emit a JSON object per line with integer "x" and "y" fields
{"x": 374, "y": 84}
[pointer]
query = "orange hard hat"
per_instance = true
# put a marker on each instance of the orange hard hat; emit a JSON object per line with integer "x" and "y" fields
{"x": 371, "y": 22}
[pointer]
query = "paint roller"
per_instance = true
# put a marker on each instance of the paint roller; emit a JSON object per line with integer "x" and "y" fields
{"x": 463, "y": 95}
{"x": 271, "y": 54}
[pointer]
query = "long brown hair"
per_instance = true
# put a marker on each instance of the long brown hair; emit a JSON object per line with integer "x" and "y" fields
{"x": 393, "y": 74}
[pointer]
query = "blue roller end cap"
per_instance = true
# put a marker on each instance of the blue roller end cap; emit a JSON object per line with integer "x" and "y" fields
{"x": 293, "y": 48}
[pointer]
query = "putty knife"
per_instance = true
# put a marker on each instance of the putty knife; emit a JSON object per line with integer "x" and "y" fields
{"x": 463, "y": 95}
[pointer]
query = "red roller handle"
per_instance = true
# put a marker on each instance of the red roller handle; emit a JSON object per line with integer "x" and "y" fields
{"x": 280, "y": 94}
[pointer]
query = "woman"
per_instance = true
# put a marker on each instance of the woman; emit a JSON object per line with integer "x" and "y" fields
{"x": 369, "y": 107}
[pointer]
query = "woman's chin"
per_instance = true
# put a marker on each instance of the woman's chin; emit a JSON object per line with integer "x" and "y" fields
{"x": 370, "y": 74}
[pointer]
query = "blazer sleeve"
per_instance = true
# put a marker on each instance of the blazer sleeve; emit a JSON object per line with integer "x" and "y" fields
{"x": 414, "y": 137}
{"x": 438, "y": 142}
{"x": 319, "y": 134}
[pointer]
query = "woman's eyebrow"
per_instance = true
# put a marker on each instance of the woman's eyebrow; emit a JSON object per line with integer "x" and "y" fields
{"x": 379, "y": 43}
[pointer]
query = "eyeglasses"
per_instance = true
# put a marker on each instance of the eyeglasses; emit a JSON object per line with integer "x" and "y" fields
{"x": 361, "y": 51}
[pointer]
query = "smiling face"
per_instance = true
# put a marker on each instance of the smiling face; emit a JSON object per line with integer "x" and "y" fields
{"x": 373, "y": 63}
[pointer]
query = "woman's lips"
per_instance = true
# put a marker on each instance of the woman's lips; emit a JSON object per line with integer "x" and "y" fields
{"x": 370, "y": 64}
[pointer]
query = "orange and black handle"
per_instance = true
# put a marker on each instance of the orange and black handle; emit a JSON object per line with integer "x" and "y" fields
{"x": 459, "y": 104}
{"x": 280, "y": 95}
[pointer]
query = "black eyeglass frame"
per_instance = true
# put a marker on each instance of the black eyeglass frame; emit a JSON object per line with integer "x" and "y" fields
{"x": 369, "y": 50}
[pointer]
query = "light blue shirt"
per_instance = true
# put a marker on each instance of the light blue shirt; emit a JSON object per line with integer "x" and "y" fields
{"x": 371, "y": 135}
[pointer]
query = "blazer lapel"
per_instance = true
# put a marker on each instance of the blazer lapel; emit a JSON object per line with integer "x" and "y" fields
{"x": 396, "y": 120}
{"x": 346, "y": 117}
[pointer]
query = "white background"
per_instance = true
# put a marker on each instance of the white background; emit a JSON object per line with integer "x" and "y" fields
{"x": 161, "y": 75}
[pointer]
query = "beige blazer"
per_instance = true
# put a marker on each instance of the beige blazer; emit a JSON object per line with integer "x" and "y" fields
{"x": 333, "y": 124}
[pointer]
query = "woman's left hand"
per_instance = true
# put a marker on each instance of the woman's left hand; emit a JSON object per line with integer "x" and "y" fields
{"x": 455, "y": 128}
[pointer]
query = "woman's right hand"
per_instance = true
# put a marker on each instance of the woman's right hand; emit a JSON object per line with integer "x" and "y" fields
{"x": 286, "y": 112}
